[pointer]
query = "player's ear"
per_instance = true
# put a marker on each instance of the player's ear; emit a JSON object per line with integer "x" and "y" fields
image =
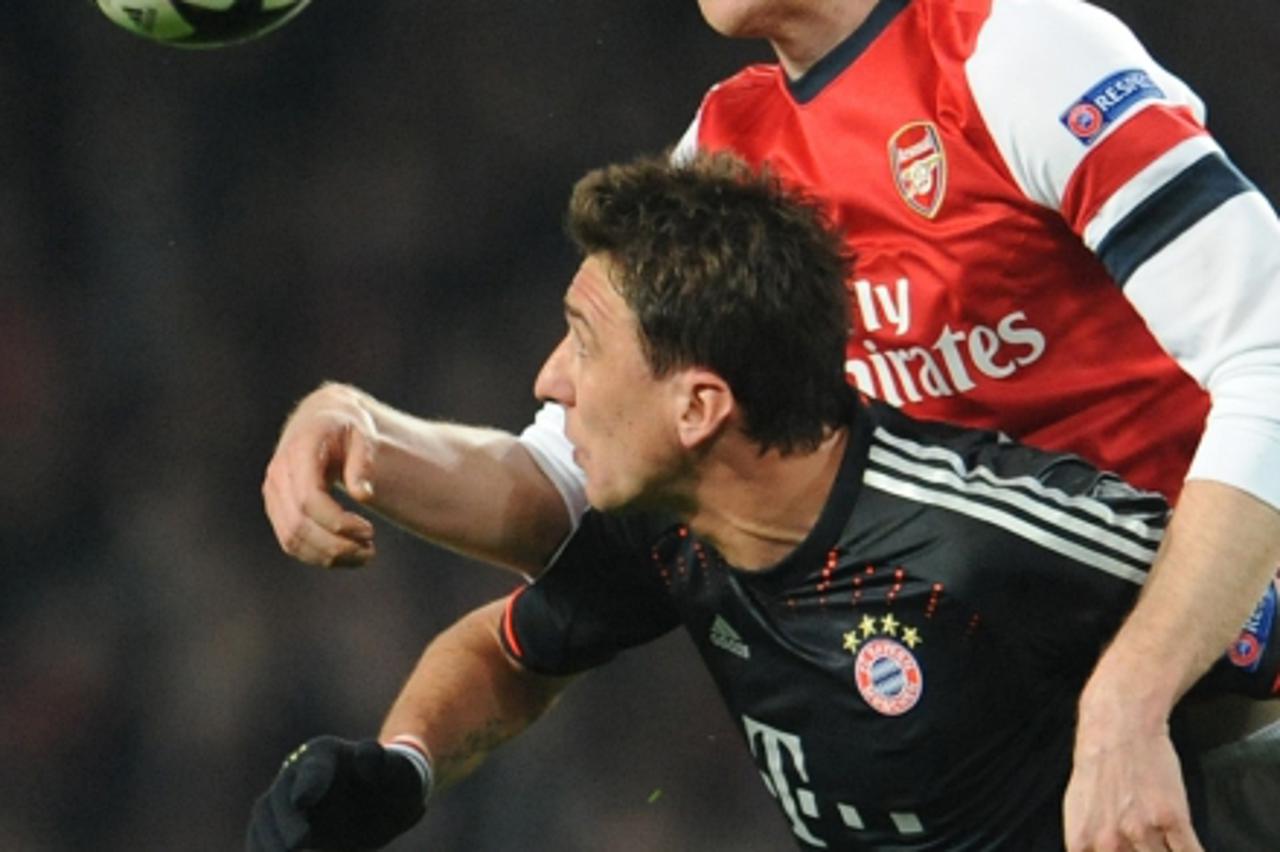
{"x": 704, "y": 404}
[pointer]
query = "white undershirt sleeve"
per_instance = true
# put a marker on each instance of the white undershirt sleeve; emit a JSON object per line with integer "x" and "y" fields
{"x": 545, "y": 440}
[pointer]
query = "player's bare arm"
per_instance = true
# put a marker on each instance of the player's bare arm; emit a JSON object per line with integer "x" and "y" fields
{"x": 466, "y": 697}
{"x": 471, "y": 489}
{"x": 1221, "y": 548}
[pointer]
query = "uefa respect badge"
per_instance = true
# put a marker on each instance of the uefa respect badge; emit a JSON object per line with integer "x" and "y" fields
{"x": 1246, "y": 652}
{"x": 1098, "y": 108}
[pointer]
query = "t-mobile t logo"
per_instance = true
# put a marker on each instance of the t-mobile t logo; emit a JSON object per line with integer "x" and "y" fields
{"x": 771, "y": 748}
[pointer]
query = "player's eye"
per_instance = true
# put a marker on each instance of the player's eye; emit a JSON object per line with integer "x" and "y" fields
{"x": 577, "y": 344}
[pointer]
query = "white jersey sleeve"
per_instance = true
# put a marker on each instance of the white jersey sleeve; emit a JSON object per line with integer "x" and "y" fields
{"x": 687, "y": 147}
{"x": 1194, "y": 245}
{"x": 545, "y": 440}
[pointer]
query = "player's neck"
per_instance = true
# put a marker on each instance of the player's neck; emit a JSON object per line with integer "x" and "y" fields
{"x": 803, "y": 38}
{"x": 755, "y": 509}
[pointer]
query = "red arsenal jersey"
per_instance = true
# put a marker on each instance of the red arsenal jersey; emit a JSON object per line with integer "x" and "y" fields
{"x": 995, "y": 166}
{"x": 1048, "y": 240}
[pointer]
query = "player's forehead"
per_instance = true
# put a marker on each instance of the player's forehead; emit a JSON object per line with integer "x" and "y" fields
{"x": 592, "y": 296}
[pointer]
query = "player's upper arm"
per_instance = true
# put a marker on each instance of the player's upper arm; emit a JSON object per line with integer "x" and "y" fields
{"x": 1055, "y": 81}
{"x": 1092, "y": 127}
{"x": 601, "y": 596}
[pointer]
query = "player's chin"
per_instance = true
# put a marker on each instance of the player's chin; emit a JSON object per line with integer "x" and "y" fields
{"x": 603, "y": 494}
{"x": 598, "y": 498}
{"x": 734, "y": 18}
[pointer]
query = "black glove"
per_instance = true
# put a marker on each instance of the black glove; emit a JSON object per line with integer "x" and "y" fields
{"x": 334, "y": 794}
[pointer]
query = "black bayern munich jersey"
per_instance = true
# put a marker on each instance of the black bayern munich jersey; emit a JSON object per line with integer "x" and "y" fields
{"x": 906, "y": 679}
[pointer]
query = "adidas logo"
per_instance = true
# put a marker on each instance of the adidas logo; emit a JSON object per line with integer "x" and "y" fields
{"x": 726, "y": 638}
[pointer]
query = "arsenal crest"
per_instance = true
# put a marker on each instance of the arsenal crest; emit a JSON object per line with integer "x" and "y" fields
{"x": 919, "y": 166}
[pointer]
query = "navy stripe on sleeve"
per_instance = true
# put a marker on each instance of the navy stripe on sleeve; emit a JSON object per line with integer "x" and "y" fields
{"x": 1195, "y": 193}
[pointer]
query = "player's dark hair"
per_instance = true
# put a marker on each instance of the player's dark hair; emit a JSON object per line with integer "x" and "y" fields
{"x": 726, "y": 269}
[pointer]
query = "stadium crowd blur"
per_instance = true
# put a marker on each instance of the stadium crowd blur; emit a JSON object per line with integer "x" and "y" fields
{"x": 191, "y": 241}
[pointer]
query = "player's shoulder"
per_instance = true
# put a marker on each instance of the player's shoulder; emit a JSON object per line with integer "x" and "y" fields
{"x": 893, "y": 428}
{"x": 747, "y": 83}
{"x": 1045, "y": 16}
{"x": 943, "y": 456}
{"x": 631, "y": 531}
{"x": 1018, "y": 33}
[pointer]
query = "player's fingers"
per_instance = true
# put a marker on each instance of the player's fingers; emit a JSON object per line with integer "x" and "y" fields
{"x": 289, "y": 504}
{"x": 367, "y": 761}
{"x": 277, "y": 825}
{"x": 256, "y": 838}
{"x": 1148, "y": 838}
{"x": 288, "y": 827}
{"x": 264, "y": 833}
{"x": 260, "y": 839}
{"x": 357, "y": 470}
{"x": 311, "y": 543}
{"x": 296, "y": 513}
{"x": 302, "y": 460}
{"x": 307, "y": 464}
{"x": 1170, "y": 822}
{"x": 1183, "y": 839}
{"x": 1148, "y": 846}
{"x": 313, "y": 780}
{"x": 320, "y": 547}
{"x": 303, "y": 475}
{"x": 332, "y": 517}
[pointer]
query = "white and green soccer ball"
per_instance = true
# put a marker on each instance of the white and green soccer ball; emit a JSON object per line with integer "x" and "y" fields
{"x": 201, "y": 23}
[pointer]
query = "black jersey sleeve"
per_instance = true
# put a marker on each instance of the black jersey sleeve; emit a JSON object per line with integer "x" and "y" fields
{"x": 601, "y": 595}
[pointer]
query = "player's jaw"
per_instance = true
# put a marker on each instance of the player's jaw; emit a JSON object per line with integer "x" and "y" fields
{"x": 800, "y": 31}
{"x": 775, "y": 19}
{"x": 744, "y": 18}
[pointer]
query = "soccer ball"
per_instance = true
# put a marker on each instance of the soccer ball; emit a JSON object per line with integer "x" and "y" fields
{"x": 200, "y": 23}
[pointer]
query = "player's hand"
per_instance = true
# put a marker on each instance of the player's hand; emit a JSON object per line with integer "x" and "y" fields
{"x": 334, "y": 794}
{"x": 327, "y": 442}
{"x": 1126, "y": 794}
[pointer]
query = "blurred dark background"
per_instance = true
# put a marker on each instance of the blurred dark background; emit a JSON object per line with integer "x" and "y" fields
{"x": 189, "y": 242}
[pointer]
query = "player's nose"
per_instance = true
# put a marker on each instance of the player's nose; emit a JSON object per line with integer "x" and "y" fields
{"x": 553, "y": 383}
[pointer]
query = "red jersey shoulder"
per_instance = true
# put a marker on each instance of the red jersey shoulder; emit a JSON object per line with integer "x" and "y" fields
{"x": 746, "y": 113}
{"x": 746, "y": 84}
{"x": 953, "y": 26}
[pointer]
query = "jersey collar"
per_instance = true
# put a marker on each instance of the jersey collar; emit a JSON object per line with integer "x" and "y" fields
{"x": 808, "y": 85}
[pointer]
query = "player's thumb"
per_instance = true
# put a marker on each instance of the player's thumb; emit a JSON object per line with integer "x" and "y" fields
{"x": 357, "y": 468}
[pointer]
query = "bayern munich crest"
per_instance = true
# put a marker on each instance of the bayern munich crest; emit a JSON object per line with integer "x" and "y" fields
{"x": 888, "y": 676}
{"x": 919, "y": 166}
